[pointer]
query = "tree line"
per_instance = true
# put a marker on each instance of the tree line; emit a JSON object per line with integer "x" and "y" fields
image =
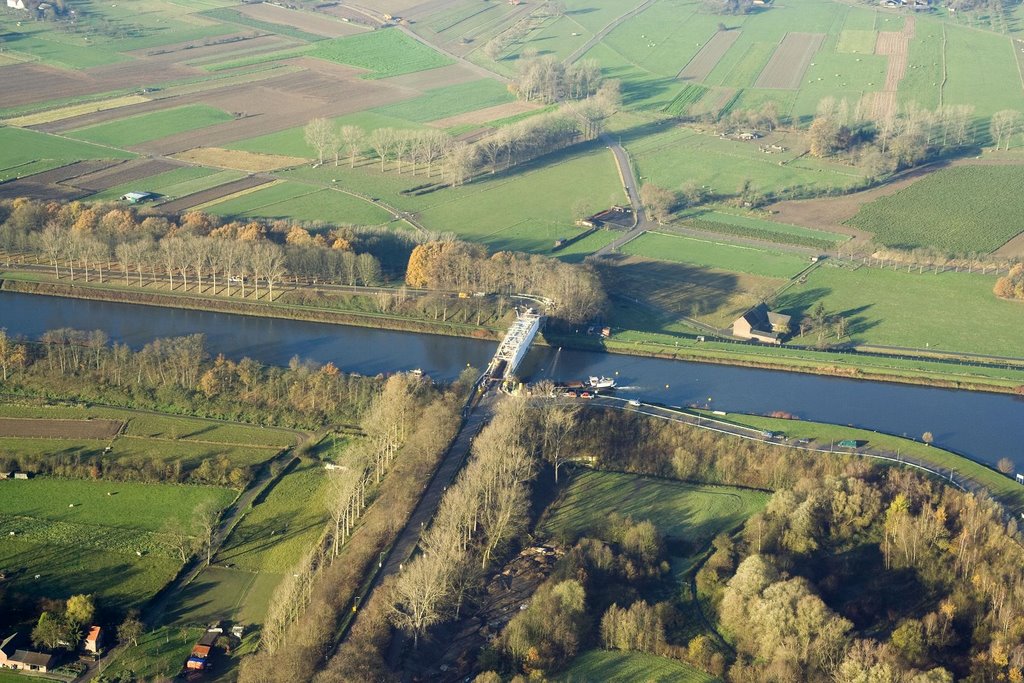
{"x": 408, "y": 425}
{"x": 176, "y": 374}
{"x": 575, "y": 291}
{"x": 456, "y": 161}
{"x": 194, "y": 252}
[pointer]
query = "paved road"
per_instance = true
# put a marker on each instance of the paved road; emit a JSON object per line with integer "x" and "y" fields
{"x": 642, "y": 224}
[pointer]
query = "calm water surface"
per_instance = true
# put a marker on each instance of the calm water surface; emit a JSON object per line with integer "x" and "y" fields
{"x": 985, "y": 427}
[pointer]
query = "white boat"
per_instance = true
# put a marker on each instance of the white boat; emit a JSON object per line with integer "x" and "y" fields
{"x": 602, "y": 383}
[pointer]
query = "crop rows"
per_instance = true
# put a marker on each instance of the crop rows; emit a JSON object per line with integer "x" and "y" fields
{"x": 964, "y": 210}
{"x": 686, "y": 98}
{"x": 762, "y": 234}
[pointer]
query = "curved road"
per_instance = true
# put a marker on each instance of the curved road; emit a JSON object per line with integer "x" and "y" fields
{"x": 641, "y": 223}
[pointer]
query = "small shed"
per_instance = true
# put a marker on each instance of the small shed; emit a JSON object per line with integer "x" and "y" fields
{"x": 137, "y": 197}
{"x": 21, "y": 475}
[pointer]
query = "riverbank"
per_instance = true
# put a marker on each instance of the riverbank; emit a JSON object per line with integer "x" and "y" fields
{"x": 908, "y": 449}
{"x": 918, "y": 371}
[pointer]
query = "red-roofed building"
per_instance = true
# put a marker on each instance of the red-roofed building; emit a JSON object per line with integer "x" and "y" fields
{"x": 94, "y": 640}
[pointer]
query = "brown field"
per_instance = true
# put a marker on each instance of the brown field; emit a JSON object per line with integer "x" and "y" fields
{"x": 878, "y": 105}
{"x": 45, "y": 428}
{"x": 304, "y": 21}
{"x": 785, "y": 70}
{"x": 251, "y": 162}
{"x": 52, "y": 184}
{"x": 104, "y": 116}
{"x": 211, "y": 195}
{"x": 434, "y": 78}
{"x": 895, "y": 45}
{"x": 278, "y": 103}
{"x": 1012, "y": 249}
{"x": 212, "y": 49}
{"x": 674, "y": 290}
{"x": 124, "y": 172}
{"x": 713, "y": 102}
{"x": 698, "y": 68}
{"x": 28, "y": 83}
{"x": 482, "y": 116}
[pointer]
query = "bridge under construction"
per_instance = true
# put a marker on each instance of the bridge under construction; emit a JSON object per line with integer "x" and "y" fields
{"x": 514, "y": 346}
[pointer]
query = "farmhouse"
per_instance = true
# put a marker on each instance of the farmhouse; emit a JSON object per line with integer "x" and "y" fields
{"x": 23, "y": 660}
{"x": 761, "y": 324}
{"x": 94, "y": 640}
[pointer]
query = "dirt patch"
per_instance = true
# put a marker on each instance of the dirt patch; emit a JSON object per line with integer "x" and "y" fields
{"x": 279, "y": 103}
{"x": 482, "y": 116}
{"x": 702, "y": 64}
{"x": 1012, "y": 249}
{"x": 45, "y": 428}
{"x": 879, "y": 105}
{"x": 895, "y": 45}
{"x": 126, "y": 172}
{"x": 251, "y": 162}
{"x": 788, "y": 64}
{"x": 213, "y": 194}
{"x": 53, "y": 184}
{"x": 29, "y": 83}
{"x": 304, "y": 21}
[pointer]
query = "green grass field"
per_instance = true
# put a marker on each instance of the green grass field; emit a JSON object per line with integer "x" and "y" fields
{"x": 135, "y": 130}
{"x": 948, "y": 311}
{"x": 454, "y": 99}
{"x": 286, "y": 523}
{"x": 298, "y": 201}
{"x": 91, "y": 547}
{"x": 723, "y": 256}
{"x": 155, "y": 425}
{"x": 160, "y": 653}
{"x": 172, "y": 184}
{"x": 291, "y": 142}
{"x": 22, "y": 146}
{"x": 969, "y": 209}
{"x": 671, "y": 156}
{"x": 382, "y": 53}
{"x": 629, "y": 667}
{"x": 689, "y": 512}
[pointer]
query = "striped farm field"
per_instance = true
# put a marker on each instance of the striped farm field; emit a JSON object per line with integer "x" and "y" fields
{"x": 969, "y": 209}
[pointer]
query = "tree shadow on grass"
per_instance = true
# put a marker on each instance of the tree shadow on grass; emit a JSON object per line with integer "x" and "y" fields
{"x": 671, "y": 288}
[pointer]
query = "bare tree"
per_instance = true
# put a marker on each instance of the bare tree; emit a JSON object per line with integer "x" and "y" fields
{"x": 419, "y": 594}
{"x": 1004, "y": 126}
{"x": 319, "y": 134}
{"x": 382, "y": 140}
{"x": 557, "y": 422}
{"x": 352, "y": 139}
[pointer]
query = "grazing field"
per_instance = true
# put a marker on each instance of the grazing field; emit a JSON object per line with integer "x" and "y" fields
{"x": 297, "y": 201}
{"x": 982, "y": 71}
{"x": 528, "y": 210}
{"x": 58, "y": 429}
{"x": 154, "y": 425}
{"x": 153, "y": 126}
{"x": 284, "y": 524}
{"x": 22, "y": 146}
{"x": 449, "y": 101}
{"x": 785, "y": 70}
{"x": 94, "y": 537}
{"x": 670, "y": 156}
{"x": 946, "y": 312}
{"x": 222, "y": 594}
{"x": 857, "y": 41}
{"x": 970, "y": 209}
{"x": 615, "y": 666}
{"x": 688, "y": 512}
{"x": 382, "y": 53}
{"x": 714, "y": 297}
{"x": 723, "y": 256}
{"x": 159, "y": 655}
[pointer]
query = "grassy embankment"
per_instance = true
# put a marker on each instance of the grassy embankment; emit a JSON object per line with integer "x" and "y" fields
{"x": 1002, "y": 487}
